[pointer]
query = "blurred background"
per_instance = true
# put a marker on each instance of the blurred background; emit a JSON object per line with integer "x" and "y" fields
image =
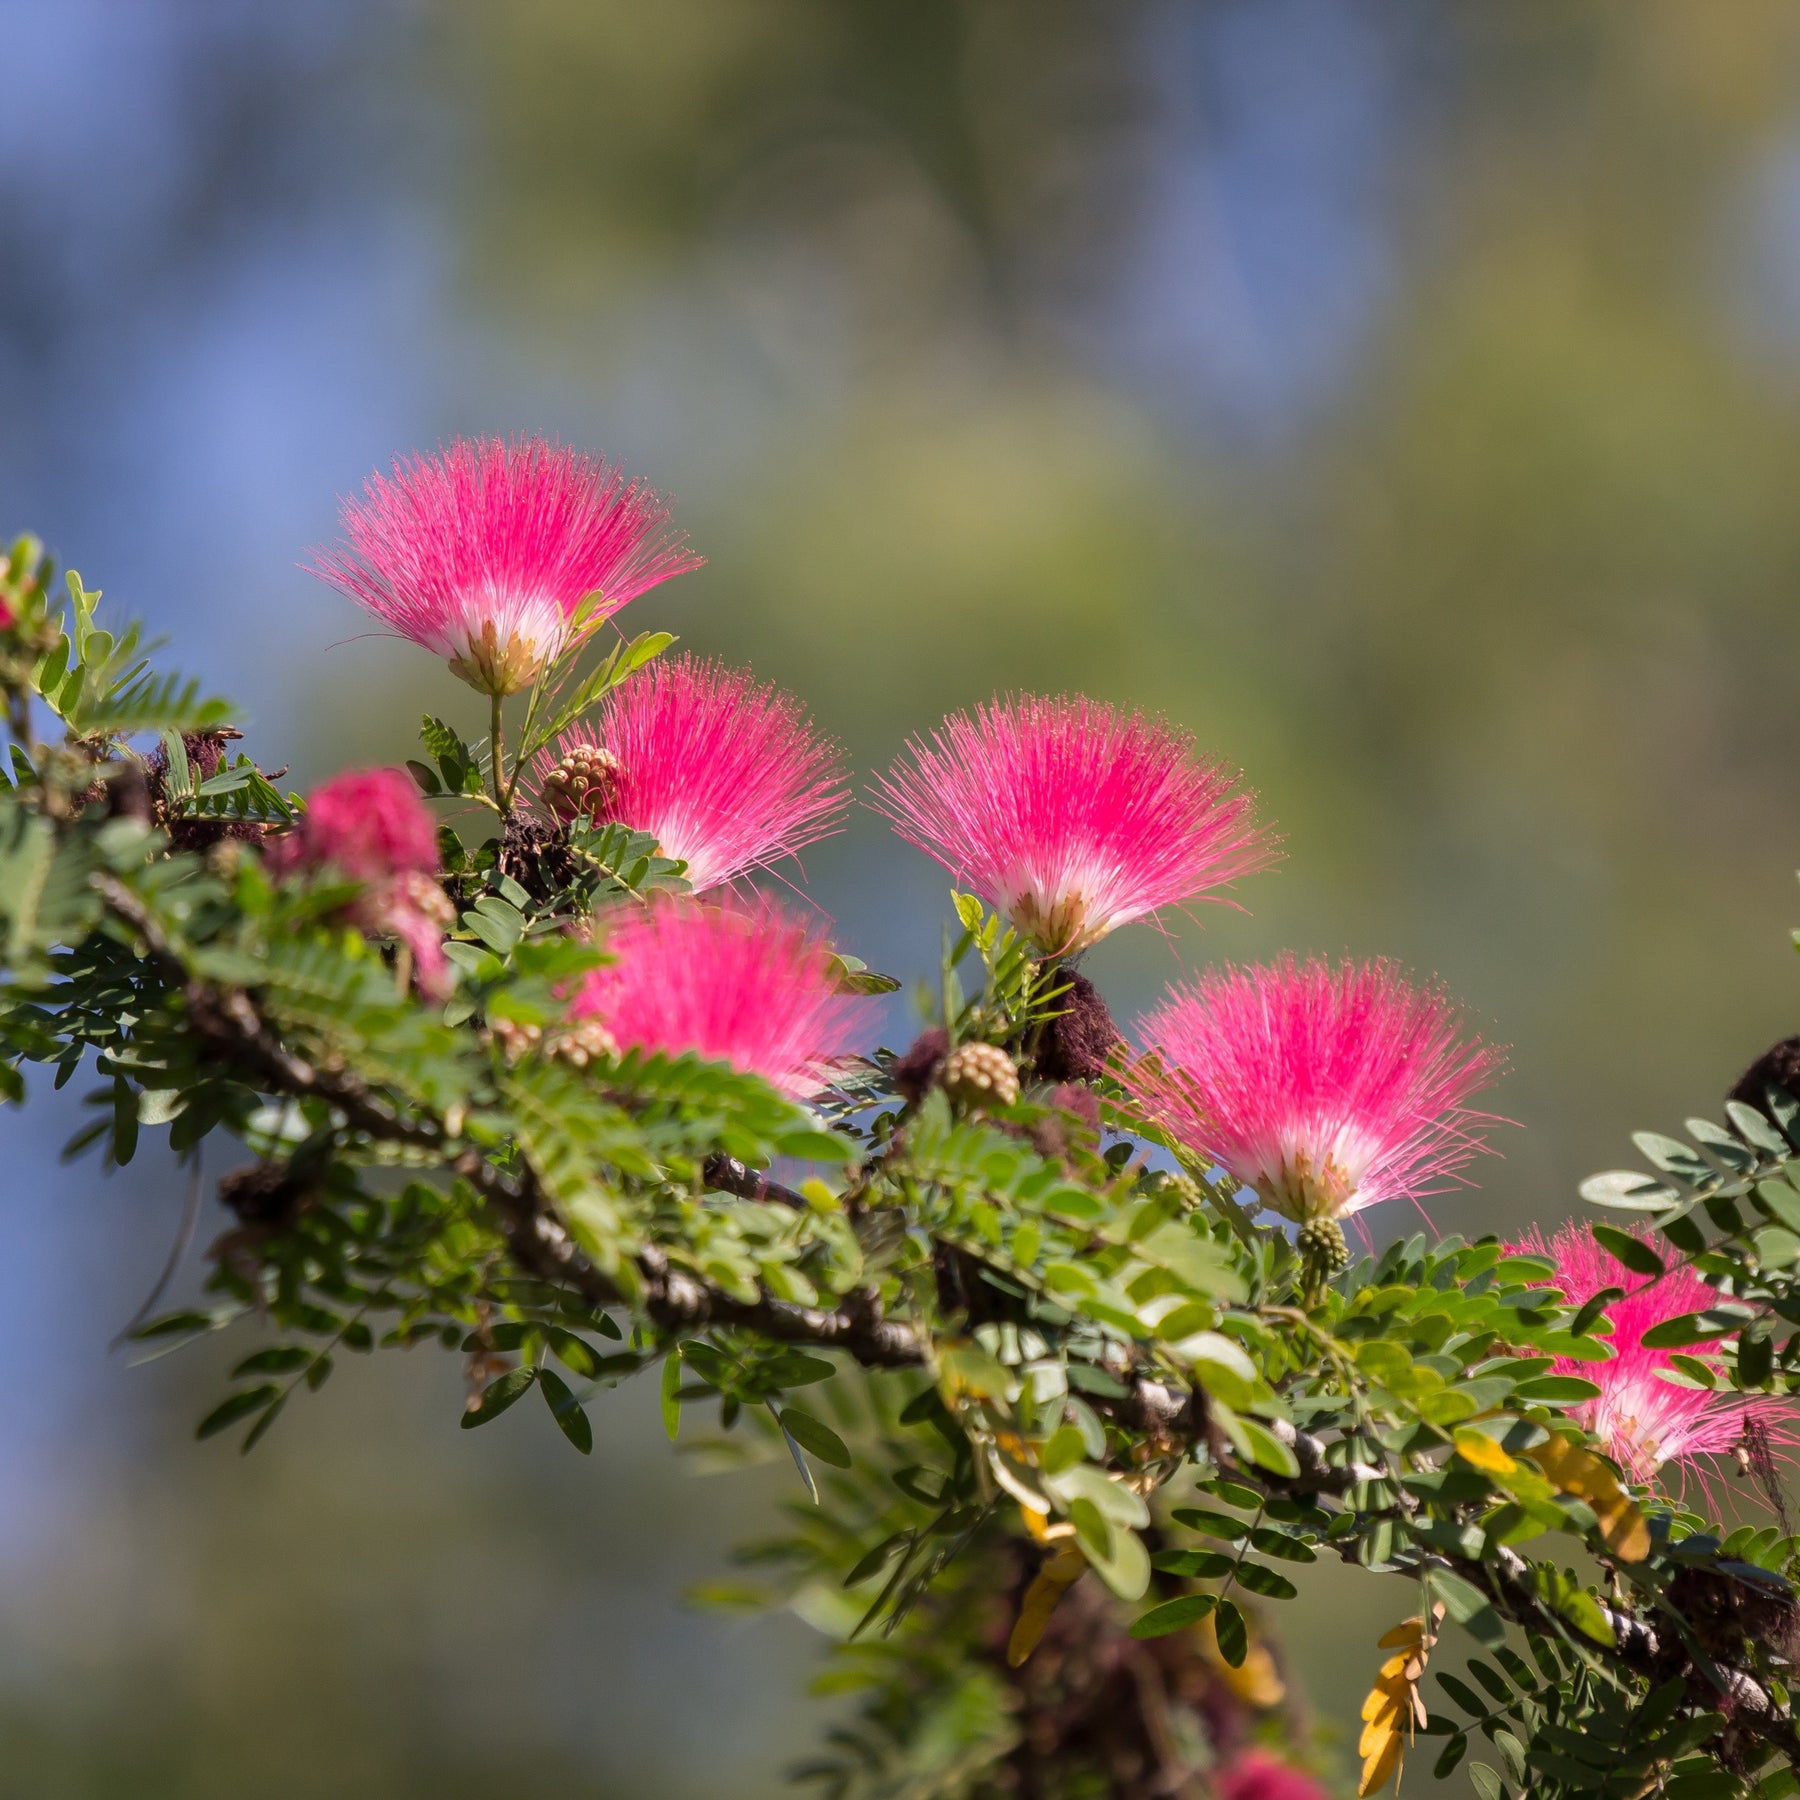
{"x": 1405, "y": 397}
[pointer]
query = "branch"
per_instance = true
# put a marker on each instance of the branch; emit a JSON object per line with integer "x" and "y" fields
{"x": 730, "y": 1176}
{"x": 678, "y": 1301}
{"x": 672, "y": 1297}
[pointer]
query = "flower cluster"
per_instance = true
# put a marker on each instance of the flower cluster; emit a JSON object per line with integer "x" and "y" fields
{"x": 498, "y": 555}
{"x": 1324, "y": 1089}
{"x": 1071, "y": 817}
{"x": 1643, "y": 1418}
{"x": 750, "y": 987}
{"x": 1256, "y": 1775}
{"x": 725, "y": 774}
{"x": 370, "y": 827}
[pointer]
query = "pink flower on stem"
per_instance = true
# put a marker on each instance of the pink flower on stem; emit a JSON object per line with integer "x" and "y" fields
{"x": 8, "y": 618}
{"x": 1326, "y": 1090}
{"x": 1641, "y": 1420}
{"x": 485, "y": 553}
{"x": 1256, "y": 1775}
{"x": 723, "y": 773}
{"x": 753, "y": 989}
{"x": 370, "y": 826}
{"x": 1072, "y": 817}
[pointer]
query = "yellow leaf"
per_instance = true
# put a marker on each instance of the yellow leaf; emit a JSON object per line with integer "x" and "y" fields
{"x": 1582, "y": 1474}
{"x": 1478, "y": 1448}
{"x": 1381, "y": 1764}
{"x": 1059, "y": 1573}
{"x": 1394, "y": 1708}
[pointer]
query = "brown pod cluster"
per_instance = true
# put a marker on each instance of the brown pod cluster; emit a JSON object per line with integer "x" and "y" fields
{"x": 1778, "y": 1067}
{"x": 982, "y": 1076}
{"x": 264, "y": 1193}
{"x": 915, "y": 1072}
{"x": 1075, "y": 1045}
{"x": 535, "y": 853}
{"x": 206, "y": 756}
{"x": 584, "y": 783}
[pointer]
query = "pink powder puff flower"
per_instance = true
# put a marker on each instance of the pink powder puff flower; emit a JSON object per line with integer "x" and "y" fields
{"x": 370, "y": 826}
{"x": 8, "y": 618}
{"x": 484, "y": 553}
{"x": 1642, "y": 1421}
{"x": 752, "y": 988}
{"x": 1256, "y": 1775}
{"x": 1326, "y": 1090}
{"x": 1072, "y": 817}
{"x": 724, "y": 774}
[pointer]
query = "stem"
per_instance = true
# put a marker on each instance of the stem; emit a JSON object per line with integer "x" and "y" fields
{"x": 496, "y": 751}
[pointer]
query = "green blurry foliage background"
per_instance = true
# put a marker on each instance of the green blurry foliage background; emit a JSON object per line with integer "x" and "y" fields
{"x": 1404, "y": 397}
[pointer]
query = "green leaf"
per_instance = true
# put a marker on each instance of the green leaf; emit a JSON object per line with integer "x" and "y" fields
{"x": 237, "y": 1406}
{"x": 1558, "y": 1390}
{"x": 1270, "y": 1583}
{"x": 815, "y": 1437}
{"x": 1627, "y": 1190}
{"x": 1064, "y": 1449}
{"x": 1675, "y": 1158}
{"x": 1779, "y": 1199}
{"x": 815, "y": 1146}
{"x": 1256, "y": 1443}
{"x": 1451, "y": 1754}
{"x": 1622, "y": 1247}
{"x": 284, "y": 1359}
{"x": 1194, "y": 1565}
{"x": 1234, "y": 1638}
{"x": 1214, "y": 1524}
{"x": 271, "y": 1413}
{"x": 1469, "y": 1607}
{"x": 497, "y": 1396}
{"x": 566, "y": 1410}
{"x": 1173, "y": 1615}
{"x": 1221, "y": 1367}
{"x": 1687, "y": 1328}
{"x": 1279, "y": 1544}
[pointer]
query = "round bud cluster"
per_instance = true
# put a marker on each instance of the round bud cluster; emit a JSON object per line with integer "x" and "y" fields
{"x": 583, "y": 784}
{"x": 417, "y": 893}
{"x": 516, "y": 1041}
{"x": 1323, "y": 1249}
{"x": 587, "y": 1041}
{"x": 583, "y": 1043}
{"x": 1172, "y": 1184}
{"x": 980, "y": 1075}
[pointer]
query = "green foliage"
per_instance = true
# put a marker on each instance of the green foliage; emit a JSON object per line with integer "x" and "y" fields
{"x": 998, "y": 1346}
{"x": 102, "y": 686}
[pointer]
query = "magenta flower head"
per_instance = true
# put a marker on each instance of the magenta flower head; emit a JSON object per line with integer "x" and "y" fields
{"x": 485, "y": 553}
{"x": 724, "y": 774}
{"x": 1070, "y": 817}
{"x": 1256, "y": 1775}
{"x": 1641, "y": 1420}
{"x": 1326, "y": 1090}
{"x": 751, "y": 988}
{"x": 370, "y": 826}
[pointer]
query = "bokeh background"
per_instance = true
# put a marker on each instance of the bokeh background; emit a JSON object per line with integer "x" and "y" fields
{"x": 1405, "y": 396}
